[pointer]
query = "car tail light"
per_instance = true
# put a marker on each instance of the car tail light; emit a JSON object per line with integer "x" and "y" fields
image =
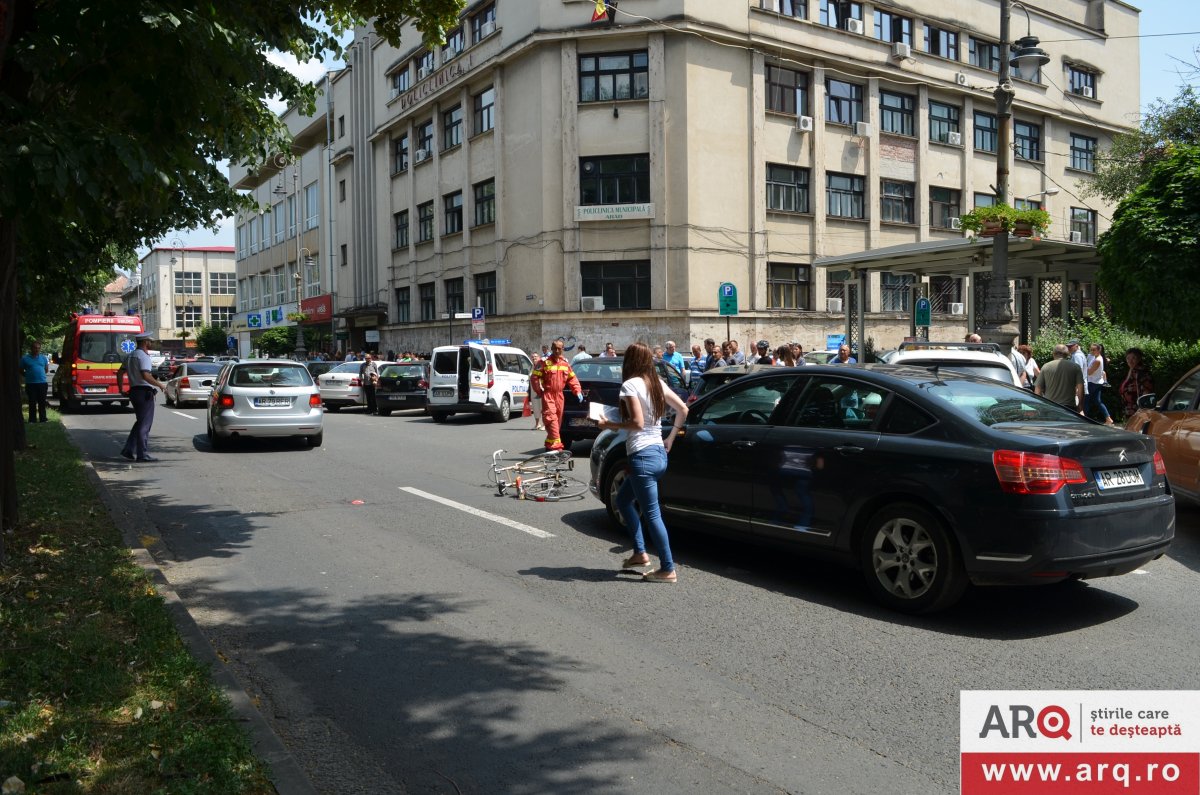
{"x": 314, "y": 400}
{"x": 422, "y": 384}
{"x": 1160, "y": 466}
{"x": 184, "y": 383}
{"x": 491, "y": 377}
{"x": 225, "y": 401}
{"x": 1035, "y": 473}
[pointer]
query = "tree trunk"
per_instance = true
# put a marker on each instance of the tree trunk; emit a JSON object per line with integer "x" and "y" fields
{"x": 12, "y": 424}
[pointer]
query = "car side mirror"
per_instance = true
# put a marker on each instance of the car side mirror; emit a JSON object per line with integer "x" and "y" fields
{"x": 1147, "y": 401}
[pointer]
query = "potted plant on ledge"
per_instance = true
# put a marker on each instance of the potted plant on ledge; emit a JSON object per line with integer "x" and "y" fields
{"x": 987, "y": 221}
{"x": 1030, "y": 222}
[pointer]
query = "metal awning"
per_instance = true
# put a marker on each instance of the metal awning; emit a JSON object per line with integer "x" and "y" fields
{"x": 1027, "y": 257}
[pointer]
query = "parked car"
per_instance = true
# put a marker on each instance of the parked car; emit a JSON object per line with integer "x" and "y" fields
{"x": 319, "y": 368}
{"x": 264, "y": 398}
{"x": 925, "y": 481}
{"x": 600, "y": 382}
{"x": 980, "y": 358}
{"x": 402, "y": 385}
{"x": 341, "y": 385}
{"x": 192, "y": 383}
{"x": 477, "y": 379}
{"x": 720, "y": 376}
{"x": 1174, "y": 423}
{"x": 819, "y": 357}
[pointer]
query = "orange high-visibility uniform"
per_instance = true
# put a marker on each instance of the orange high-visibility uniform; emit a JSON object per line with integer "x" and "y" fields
{"x": 549, "y": 380}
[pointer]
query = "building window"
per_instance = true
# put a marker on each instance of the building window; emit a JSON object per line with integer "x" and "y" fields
{"x": 403, "y": 304}
{"x": 222, "y": 284}
{"x": 400, "y": 224}
{"x": 456, "y": 299}
{"x": 425, "y": 137}
{"x": 1027, "y": 140}
{"x": 266, "y": 230}
{"x": 896, "y": 202}
{"x": 893, "y": 27}
{"x": 189, "y": 282}
{"x": 220, "y": 316}
{"x": 341, "y": 190}
{"x": 426, "y": 295}
{"x": 895, "y": 291}
{"x": 401, "y": 81}
{"x": 835, "y": 13}
{"x": 619, "y": 179}
{"x": 483, "y": 23}
{"x": 456, "y": 42}
{"x": 985, "y": 200}
{"x": 452, "y": 207}
{"x": 843, "y": 103}
{"x": 787, "y": 189}
{"x": 622, "y": 285}
{"x": 789, "y": 286}
{"x": 485, "y": 292}
{"x": 1081, "y": 81}
{"x": 787, "y": 91}
{"x": 312, "y": 277}
{"x": 943, "y": 120}
{"x": 943, "y": 291}
{"x": 291, "y": 216}
{"x": 986, "y": 132}
{"x": 485, "y": 203}
{"x": 277, "y": 217}
{"x": 1027, "y": 204}
{"x": 253, "y": 227}
{"x": 188, "y": 316}
{"x": 835, "y": 285}
{"x": 615, "y": 75}
{"x": 984, "y": 54}
{"x": 896, "y": 113}
{"x": 944, "y": 204}
{"x": 452, "y": 128}
{"x": 788, "y": 8}
{"x": 941, "y": 42}
{"x": 341, "y": 126}
{"x": 1083, "y": 152}
{"x": 1083, "y": 221}
{"x": 845, "y": 195}
{"x": 485, "y": 110}
{"x": 400, "y": 154}
{"x": 281, "y": 286}
{"x": 312, "y": 207}
{"x": 425, "y": 222}
{"x": 425, "y": 65}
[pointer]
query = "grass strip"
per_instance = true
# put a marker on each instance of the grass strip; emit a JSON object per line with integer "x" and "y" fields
{"x": 98, "y": 693}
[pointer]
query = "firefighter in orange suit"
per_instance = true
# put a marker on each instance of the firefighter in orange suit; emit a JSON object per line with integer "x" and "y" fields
{"x": 549, "y": 382}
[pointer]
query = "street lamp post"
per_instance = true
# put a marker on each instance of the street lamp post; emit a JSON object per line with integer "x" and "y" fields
{"x": 177, "y": 247}
{"x": 997, "y": 324}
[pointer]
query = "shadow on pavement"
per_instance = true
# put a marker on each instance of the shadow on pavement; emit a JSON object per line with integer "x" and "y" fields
{"x": 1186, "y": 547}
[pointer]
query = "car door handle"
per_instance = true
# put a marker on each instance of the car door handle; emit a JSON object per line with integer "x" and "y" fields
{"x": 849, "y": 449}
{"x": 744, "y": 444}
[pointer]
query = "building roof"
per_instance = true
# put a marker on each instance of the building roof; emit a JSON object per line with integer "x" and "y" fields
{"x": 1027, "y": 257}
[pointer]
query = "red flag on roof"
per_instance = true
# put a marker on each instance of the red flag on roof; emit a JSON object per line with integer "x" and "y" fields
{"x": 601, "y": 11}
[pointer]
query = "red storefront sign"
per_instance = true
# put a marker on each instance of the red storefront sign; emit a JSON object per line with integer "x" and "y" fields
{"x": 319, "y": 309}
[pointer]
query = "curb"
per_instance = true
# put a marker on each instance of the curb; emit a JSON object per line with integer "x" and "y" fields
{"x": 285, "y": 773}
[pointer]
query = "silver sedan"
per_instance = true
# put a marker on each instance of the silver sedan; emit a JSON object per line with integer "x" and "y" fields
{"x": 265, "y": 398}
{"x": 192, "y": 383}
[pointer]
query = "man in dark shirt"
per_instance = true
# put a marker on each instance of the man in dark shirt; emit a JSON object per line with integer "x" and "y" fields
{"x": 1061, "y": 380}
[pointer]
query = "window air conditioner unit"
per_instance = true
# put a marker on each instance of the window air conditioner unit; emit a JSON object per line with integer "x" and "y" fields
{"x": 804, "y": 123}
{"x": 487, "y": 28}
{"x": 592, "y": 303}
{"x": 833, "y": 305}
{"x": 854, "y": 26}
{"x": 395, "y": 92}
{"x": 960, "y": 78}
{"x": 957, "y": 309}
{"x": 900, "y": 50}
{"x": 1087, "y": 91}
{"x": 956, "y": 223}
{"x": 771, "y": 5}
{"x": 954, "y": 138}
{"x": 422, "y": 155}
{"x": 424, "y": 72}
{"x": 1077, "y": 237}
{"x": 863, "y": 130}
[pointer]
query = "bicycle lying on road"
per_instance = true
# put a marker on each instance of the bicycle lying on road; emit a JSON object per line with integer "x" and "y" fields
{"x": 542, "y": 477}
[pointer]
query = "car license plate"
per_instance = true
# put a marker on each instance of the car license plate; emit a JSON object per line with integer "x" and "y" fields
{"x": 95, "y": 389}
{"x": 1118, "y": 478}
{"x": 580, "y": 422}
{"x": 272, "y": 402}
{"x": 398, "y": 397}
{"x": 443, "y": 393}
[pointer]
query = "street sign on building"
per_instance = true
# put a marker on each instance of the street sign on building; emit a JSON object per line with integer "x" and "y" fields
{"x": 727, "y": 303}
{"x": 922, "y": 311}
{"x": 477, "y": 321}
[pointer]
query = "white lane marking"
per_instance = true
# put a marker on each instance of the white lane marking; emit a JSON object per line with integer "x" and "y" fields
{"x": 189, "y": 416}
{"x": 524, "y": 528}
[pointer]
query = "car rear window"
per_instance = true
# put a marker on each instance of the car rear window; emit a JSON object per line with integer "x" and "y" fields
{"x": 993, "y": 370}
{"x": 347, "y": 367}
{"x": 991, "y": 403}
{"x": 598, "y": 369}
{"x": 271, "y": 375}
{"x": 403, "y": 371}
{"x": 514, "y": 363}
{"x": 445, "y": 362}
{"x": 203, "y": 368}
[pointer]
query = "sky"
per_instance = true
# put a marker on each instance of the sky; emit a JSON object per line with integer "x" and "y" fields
{"x": 1161, "y": 72}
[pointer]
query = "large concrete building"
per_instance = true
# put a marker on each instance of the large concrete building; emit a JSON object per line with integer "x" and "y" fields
{"x": 600, "y": 181}
{"x": 177, "y": 289}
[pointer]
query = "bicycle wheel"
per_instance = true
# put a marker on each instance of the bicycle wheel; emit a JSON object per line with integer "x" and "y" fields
{"x": 550, "y": 461}
{"x": 556, "y": 486}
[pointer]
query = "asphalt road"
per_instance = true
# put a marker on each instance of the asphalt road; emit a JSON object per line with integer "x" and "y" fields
{"x": 398, "y": 644}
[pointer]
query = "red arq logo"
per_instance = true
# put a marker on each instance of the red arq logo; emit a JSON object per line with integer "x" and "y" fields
{"x": 1053, "y": 722}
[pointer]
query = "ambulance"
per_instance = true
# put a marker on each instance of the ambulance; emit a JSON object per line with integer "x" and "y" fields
{"x": 93, "y": 349}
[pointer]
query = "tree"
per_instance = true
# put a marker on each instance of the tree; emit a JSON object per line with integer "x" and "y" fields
{"x": 1152, "y": 250}
{"x": 112, "y": 116}
{"x": 1133, "y": 155}
{"x": 212, "y": 339}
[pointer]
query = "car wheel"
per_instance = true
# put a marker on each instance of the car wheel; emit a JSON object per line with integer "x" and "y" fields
{"x": 316, "y": 439}
{"x": 167, "y": 398}
{"x": 384, "y": 412}
{"x": 66, "y": 405}
{"x": 612, "y": 484}
{"x": 909, "y": 560}
{"x": 438, "y": 416}
{"x": 215, "y": 441}
{"x": 505, "y": 409}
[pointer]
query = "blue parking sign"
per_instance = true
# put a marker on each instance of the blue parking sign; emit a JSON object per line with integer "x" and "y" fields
{"x": 477, "y": 313}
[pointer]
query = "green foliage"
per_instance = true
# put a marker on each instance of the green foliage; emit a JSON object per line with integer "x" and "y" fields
{"x": 1008, "y": 217}
{"x": 281, "y": 340}
{"x": 212, "y": 339}
{"x": 1168, "y": 361}
{"x": 1130, "y": 160}
{"x": 1152, "y": 250}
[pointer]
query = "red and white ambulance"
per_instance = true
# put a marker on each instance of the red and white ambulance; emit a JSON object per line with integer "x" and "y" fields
{"x": 92, "y": 352}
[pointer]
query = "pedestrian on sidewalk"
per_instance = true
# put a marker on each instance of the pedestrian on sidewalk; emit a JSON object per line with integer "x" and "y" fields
{"x": 35, "y": 369}
{"x": 143, "y": 389}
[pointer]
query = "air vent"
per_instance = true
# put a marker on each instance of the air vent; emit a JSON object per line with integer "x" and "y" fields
{"x": 854, "y": 26}
{"x": 960, "y": 78}
{"x": 422, "y": 155}
{"x": 1076, "y": 237}
{"x": 804, "y": 123}
{"x": 863, "y": 130}
{"x": 592, "y": 303}
{"x": 957, "y": 309}
{"x": 833, "y": 305}
{"x": 900, "y": 51}
{"x": 956, "y": 223}
{"x": 954, "y": 139}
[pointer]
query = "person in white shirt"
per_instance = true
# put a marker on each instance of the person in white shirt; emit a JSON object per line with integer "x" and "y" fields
{"x": 1020, "y": 365}
{"x": 1096, "y": 381}
{"x": 583, "y": 354}
{"x": 610, "y": 352}
{"x": 143, "y": 387}
{"x": 1080, "y": 361}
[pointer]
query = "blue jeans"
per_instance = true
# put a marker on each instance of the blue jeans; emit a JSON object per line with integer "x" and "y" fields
{"x": 641, "y": 486}
{"x": 1093, "y": 404}
{"x": 138, "y": 443}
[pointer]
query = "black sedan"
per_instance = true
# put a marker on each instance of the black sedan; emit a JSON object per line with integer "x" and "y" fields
{"x": 402, "y": 385}
{"x": 600, "y": 382}
{"x": 926, "y": 481}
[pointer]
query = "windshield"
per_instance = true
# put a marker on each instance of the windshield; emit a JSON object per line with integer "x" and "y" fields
{"x": 403, "y": 371}
{"x": 271, "y": 375}
{"x": 348, "y": 367}
{"x": 102, "y": 346}
{"x": 599, "y": 369}
{"x": 993, "y": 370}
{"x": 991, "y": 403}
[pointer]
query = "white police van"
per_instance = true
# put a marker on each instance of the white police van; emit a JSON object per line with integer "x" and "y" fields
{"x": 477, "y": 378}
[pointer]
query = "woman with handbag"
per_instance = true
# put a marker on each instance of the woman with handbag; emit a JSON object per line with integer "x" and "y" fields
{"x": 1137, "y": 383}
{"x": 1096, "y": 381}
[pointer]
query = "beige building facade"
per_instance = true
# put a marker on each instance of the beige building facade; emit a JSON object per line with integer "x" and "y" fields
{"x": 600, "y": 181}
{"x": 177, "y": 289}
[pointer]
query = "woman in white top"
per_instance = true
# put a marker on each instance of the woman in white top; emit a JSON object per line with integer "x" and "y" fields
{"x": 644, "y": 401}
{"x": 1096, "y": 383}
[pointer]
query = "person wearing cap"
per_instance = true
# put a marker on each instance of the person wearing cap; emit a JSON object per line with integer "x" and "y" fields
{"x": 764, "y": 353}
{"x": 143, "y": 387}
{"x": 1080, "y": 361}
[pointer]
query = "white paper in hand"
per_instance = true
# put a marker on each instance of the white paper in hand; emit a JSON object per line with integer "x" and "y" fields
{"x": 599, "y": 411}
